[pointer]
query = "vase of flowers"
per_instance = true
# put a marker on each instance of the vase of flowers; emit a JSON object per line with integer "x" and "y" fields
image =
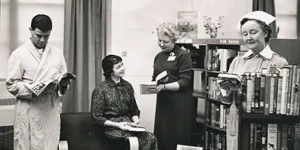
{"x": 211, "y": 28}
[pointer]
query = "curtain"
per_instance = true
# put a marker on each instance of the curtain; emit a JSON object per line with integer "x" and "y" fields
{"x": 298, "y": 19}
{"x": 84, "y": 48}
{"x": 267, "y": 6}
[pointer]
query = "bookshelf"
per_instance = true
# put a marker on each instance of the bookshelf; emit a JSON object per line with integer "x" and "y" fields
{"x": 269, "y": 115}
{"x": 251, "y": 125}
{"x": 211, "y": 57}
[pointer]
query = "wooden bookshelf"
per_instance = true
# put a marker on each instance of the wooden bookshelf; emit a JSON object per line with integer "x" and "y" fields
{"x": 199, "y": 95}
{"x": 201, "y": 50}
{"x": 216, "y": 128}
{"x": 219, "y": 101}
{"x": 269, "y": 118}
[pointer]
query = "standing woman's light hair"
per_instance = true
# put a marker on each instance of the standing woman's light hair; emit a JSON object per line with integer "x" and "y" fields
{"x": 168, "y": 29}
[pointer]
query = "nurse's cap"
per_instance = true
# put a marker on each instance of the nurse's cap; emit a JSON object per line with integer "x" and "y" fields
{"x": 257, "y": 15}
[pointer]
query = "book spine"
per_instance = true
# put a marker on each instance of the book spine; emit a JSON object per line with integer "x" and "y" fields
{"x": 284, "y": 72}
{"x": 279, "y": 91}
{"x": 267, "y": 94}
{"x": 244, "y": 93}
{"x": 293, "y": 83}
{"x": 257, "y": 94}
{"x": 264, "y": 136}
{"x": 262, "y": 94}
{"x": 275, "y": 93}
{"x": 291, "y": 137}
{"x": 272, "y": 89}
{"x": 279, "y": 136}
{"x": 250, "y": 88}
{"x": 252, "y": 132}
{"x": 258, "y": 136}
{"x": 289, "y": 91}
{"x": 284, "y": 135}
{"x": 272, "y": 136}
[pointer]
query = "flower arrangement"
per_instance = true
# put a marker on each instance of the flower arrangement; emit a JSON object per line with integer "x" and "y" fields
{"x": 211, "y": 28}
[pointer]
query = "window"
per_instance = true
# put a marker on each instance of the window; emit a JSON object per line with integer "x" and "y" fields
{"x": 15, "y": 21}
{"x": 286, "y": 18}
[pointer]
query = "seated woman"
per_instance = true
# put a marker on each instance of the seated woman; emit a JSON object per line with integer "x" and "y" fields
{"x": 114, "y": 106}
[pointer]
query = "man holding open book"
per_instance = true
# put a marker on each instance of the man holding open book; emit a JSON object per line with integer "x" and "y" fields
{"x": 35, "y": 77}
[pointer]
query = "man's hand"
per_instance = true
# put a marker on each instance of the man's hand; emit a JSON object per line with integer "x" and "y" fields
{"x": 65, "y": 82}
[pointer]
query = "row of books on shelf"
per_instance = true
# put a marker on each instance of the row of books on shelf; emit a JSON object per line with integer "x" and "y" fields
{"x": 215, "y": 141}
{"x": 274, "y": 93}
{"x": 220, "y": 59}
{"x": 270, "y": 136}
{"x": 216, "y": 114}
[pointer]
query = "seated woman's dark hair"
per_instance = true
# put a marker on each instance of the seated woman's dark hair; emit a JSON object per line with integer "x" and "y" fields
{"x": 108, "y": 64}
{"x": 263, "y": 26}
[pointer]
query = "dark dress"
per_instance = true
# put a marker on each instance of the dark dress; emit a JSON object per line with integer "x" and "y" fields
{"x": 175, "y": 112}
{"x": 116, "y": 102}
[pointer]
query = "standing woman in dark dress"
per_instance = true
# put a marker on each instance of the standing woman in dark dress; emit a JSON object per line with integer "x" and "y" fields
{"x": 114, "y": 105}
{"x": 175, "y": 113}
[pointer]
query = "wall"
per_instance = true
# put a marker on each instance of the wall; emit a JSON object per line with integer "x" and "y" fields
{"x": 133, "y": 36}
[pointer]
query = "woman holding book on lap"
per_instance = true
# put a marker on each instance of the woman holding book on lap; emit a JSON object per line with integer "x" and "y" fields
{"x": 255, "y": 30}
{"x": 114, "y": 106}
{"x": 175, "y": 110}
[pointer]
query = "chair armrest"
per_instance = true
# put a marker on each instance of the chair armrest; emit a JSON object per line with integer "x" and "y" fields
{"x": 133, "y": 143}
{"x": 63, "y": 145}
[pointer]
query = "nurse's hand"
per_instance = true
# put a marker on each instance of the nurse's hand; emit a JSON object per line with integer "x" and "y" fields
{"x": 227, "y": 86}
{"x": 160, "y": 87}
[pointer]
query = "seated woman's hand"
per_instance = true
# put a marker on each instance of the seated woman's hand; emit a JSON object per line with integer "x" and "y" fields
{"x": 123, "y": 126}
{"x": 133, "y": 124}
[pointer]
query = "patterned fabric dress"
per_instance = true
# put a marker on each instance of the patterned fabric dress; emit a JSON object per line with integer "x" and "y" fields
{"x": 175, "y": 110}
{"x": 116, "y": 102}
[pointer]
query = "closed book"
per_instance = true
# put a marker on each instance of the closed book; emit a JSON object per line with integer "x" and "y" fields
{"x": 258, "y": 141}
{"x": 278, "y": 99}
{"x": 267, "y": 95}
{"x": 272, "y": 94}
{"x": 272, "y": 136}
{"x": 257, "y": 81}
{"x": 244, "y": 93}
{"x": 279, "y": 132}
{"x": 284, "y": 72}
{"x": 291, "y": 136}
{"x": 292, "y": 90}
{"x": 250, "y": 93}
{"x": 262, "y": 94}
{"x": 284, "y": 137}
{"x": 148, "y": 88}
{"x": 264, "y": 136}
{"x": 275, "y": 93}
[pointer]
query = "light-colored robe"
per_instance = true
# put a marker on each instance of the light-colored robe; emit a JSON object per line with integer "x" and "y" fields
{"x": 250, "y": 62}
{"x": 37, "y": 118}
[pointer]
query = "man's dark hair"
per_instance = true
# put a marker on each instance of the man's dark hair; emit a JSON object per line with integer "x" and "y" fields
{"x": 42, "y": 22}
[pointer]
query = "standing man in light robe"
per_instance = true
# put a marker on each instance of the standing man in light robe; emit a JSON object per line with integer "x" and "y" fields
{"x": 37, "y": 118}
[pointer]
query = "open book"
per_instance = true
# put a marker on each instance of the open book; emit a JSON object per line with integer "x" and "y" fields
{"x": 134, "y": 128}
{"x": 38, "y": 87}
{"x": 230, "y": 76}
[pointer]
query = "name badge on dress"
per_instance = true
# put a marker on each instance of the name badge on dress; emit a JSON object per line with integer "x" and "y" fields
{"x": 171, "y": 57}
